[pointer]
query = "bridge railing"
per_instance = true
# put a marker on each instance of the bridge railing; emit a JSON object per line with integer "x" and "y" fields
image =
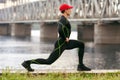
{"x": 49, "y": 10}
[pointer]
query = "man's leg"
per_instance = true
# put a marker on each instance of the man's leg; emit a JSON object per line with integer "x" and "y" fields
{"x": 53, "y": 57}
{"x": 77, "y": 44}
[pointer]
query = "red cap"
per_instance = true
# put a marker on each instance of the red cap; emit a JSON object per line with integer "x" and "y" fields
{"x": 64, "y": 7}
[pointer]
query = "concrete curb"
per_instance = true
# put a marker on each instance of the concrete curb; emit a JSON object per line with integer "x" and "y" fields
{"x": 58, "y": 71}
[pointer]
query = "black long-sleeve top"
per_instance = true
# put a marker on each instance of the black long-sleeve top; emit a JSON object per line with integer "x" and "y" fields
{"x": 64, "y": 28}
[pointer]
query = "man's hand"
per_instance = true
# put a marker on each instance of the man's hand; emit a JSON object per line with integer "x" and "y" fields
{"x": 67, "y": 40}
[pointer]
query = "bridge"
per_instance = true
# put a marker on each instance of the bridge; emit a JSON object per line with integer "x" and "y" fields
{"x": 48, "y": 10}
{"x": 97, "y": 20}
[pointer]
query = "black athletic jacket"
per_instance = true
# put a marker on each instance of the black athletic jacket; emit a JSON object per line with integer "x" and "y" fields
{"x": 64, "y": 28}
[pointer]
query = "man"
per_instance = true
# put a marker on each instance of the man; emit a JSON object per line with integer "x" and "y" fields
{"x": 63, "y": 43}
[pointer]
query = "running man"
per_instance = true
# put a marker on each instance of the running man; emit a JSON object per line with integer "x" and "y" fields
{"x": 62, "y": 43}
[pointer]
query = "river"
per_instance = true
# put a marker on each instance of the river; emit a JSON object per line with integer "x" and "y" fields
{"x": 14, "y": 50}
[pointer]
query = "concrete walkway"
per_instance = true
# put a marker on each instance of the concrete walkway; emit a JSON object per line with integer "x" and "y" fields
{"x": 38, "y": 71}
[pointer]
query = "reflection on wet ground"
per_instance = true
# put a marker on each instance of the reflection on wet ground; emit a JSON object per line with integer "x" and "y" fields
{"x": 13, "y": 51}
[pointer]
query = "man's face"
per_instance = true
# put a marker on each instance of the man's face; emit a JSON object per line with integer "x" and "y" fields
{"x": 68, "y": 12}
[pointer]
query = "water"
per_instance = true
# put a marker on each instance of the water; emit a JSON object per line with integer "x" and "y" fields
{"x": 14, "y": 50}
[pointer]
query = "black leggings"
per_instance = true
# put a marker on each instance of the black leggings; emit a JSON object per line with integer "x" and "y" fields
{"x": 60, "y": 46}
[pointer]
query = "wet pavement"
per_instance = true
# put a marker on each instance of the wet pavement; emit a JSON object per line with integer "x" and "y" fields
{"x": 14, "y": 50}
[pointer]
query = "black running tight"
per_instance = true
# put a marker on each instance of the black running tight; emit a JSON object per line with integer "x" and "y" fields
{"x": 59, "y": 47}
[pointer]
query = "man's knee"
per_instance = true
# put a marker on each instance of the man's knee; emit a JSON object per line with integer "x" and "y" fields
{"x": 49, "y": 62}
{"x": 81, "y": 44}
